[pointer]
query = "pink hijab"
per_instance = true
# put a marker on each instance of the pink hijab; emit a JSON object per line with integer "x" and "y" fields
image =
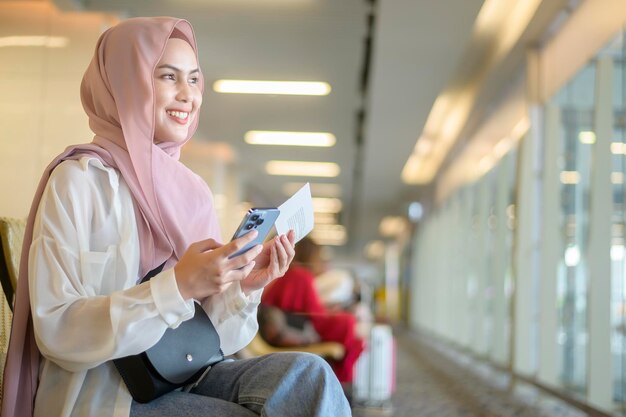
{"x": 173, "y": 205}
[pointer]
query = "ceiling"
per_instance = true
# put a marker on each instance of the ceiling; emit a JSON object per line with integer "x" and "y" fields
{"x": 380, "y": 100}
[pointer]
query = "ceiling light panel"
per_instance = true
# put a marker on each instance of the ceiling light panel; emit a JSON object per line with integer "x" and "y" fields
{"x": 326, "y": 205}
{"x": 46, "y": 41}
{"x": 303, "y": 168}
{"x": 334, "y": 235}
{"x": 318, "y": 189}
{"x": 325, "y": 218}
{"x": 268, "y": 137}
{"x": 302, "y": 88}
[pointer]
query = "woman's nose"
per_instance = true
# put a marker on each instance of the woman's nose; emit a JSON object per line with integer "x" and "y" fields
{"x": 184, "y": 93}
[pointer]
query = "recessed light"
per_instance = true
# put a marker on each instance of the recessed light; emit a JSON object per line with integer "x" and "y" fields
{"x": 392, "y": 226}
{"x": 569, "y": 177}
{"x": 587, "y": 137}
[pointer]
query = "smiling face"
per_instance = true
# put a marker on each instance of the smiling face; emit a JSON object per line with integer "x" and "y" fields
{"x": 177, "y": 92}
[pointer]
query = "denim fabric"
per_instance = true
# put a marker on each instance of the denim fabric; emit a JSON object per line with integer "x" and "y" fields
{"x": 179, "y": 403}
{"x": 283, "y": 384}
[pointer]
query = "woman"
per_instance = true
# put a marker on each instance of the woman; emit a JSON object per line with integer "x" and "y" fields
{"x": 295, "y": 292}
{"x": 109, "y": 212}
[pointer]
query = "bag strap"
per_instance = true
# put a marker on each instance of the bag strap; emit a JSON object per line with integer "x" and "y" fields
{"x": 154, "y": 272}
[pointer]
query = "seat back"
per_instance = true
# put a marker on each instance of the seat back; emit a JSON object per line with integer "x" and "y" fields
{"x": 11, "y": 239}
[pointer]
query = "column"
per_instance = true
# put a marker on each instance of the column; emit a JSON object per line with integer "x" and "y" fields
{"x": 500, "y": 312}
{"x": 600, "y": 373}
{"x": 523, "y": 311}
{"x": 551, "y": 249}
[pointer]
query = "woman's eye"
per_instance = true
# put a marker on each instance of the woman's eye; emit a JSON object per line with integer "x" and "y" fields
{"x": 193, "y": 80}
{"x": 168, "y": 76}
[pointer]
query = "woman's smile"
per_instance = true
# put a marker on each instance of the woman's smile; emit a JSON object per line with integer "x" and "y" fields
{"x": 179, "y": 116}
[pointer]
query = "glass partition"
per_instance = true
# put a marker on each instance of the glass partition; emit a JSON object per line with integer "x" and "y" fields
{"x": 587, "y": 203}
{"x": 617, "y": 52}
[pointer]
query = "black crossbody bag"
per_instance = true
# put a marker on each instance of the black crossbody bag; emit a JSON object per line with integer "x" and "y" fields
{"x": 180, "y": 358}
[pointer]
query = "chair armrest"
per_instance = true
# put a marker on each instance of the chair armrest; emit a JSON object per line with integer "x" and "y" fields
{"x": 330, "y": 350}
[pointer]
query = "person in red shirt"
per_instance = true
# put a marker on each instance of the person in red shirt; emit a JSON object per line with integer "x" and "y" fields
{"x": 295, "y": 292}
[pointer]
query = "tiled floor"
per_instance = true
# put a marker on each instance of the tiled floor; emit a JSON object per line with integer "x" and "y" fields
{"x": 432, "y": 384}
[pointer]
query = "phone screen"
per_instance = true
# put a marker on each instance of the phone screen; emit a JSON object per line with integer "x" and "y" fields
{"x": 261, "y": 219}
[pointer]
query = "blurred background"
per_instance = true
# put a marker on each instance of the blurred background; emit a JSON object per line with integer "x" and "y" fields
{"x": 466, "y": 157}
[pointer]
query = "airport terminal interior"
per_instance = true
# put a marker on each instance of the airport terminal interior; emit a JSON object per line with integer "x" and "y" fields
{"x": 466, "y": 161}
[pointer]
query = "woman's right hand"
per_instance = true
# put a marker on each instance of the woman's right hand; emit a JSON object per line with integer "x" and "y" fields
{"x": 205, "y": 269}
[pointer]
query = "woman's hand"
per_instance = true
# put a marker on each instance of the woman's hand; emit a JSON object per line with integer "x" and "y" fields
{"x": 271, "y": 263}
{"x": 205, "y": 268}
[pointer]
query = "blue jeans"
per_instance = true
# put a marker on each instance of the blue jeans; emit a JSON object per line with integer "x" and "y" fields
{"x": 283, "y": 384}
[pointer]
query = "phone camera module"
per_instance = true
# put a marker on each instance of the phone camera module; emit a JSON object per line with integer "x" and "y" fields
{"x": 254, "y": 217}
{"x": 249, "y": 226}
{"x": 259, "y": 222}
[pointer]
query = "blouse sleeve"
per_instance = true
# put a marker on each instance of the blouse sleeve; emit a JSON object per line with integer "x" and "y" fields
{"x": 83, "y": 265}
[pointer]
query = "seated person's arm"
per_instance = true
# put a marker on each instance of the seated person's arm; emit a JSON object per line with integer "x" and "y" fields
{"x": 274, "y": 328}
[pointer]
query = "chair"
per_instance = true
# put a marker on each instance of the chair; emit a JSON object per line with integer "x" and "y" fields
{"x": 328, "y": 350}
{"x": 11, "y": 238}
{"x": 282, "y": 331}
{"x": 6, "y": 316}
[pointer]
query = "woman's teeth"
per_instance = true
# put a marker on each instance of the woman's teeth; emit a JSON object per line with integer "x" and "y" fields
{"x": 179, "y": 114}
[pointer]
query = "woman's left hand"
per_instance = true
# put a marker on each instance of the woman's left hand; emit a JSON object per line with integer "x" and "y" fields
{"x": 271, "y": 263}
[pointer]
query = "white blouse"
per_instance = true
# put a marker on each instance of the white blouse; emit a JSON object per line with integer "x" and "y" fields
{"x": 87, "y": 307}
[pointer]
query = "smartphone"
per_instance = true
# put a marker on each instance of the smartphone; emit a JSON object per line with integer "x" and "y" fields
{"x": 261, "y": 219}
